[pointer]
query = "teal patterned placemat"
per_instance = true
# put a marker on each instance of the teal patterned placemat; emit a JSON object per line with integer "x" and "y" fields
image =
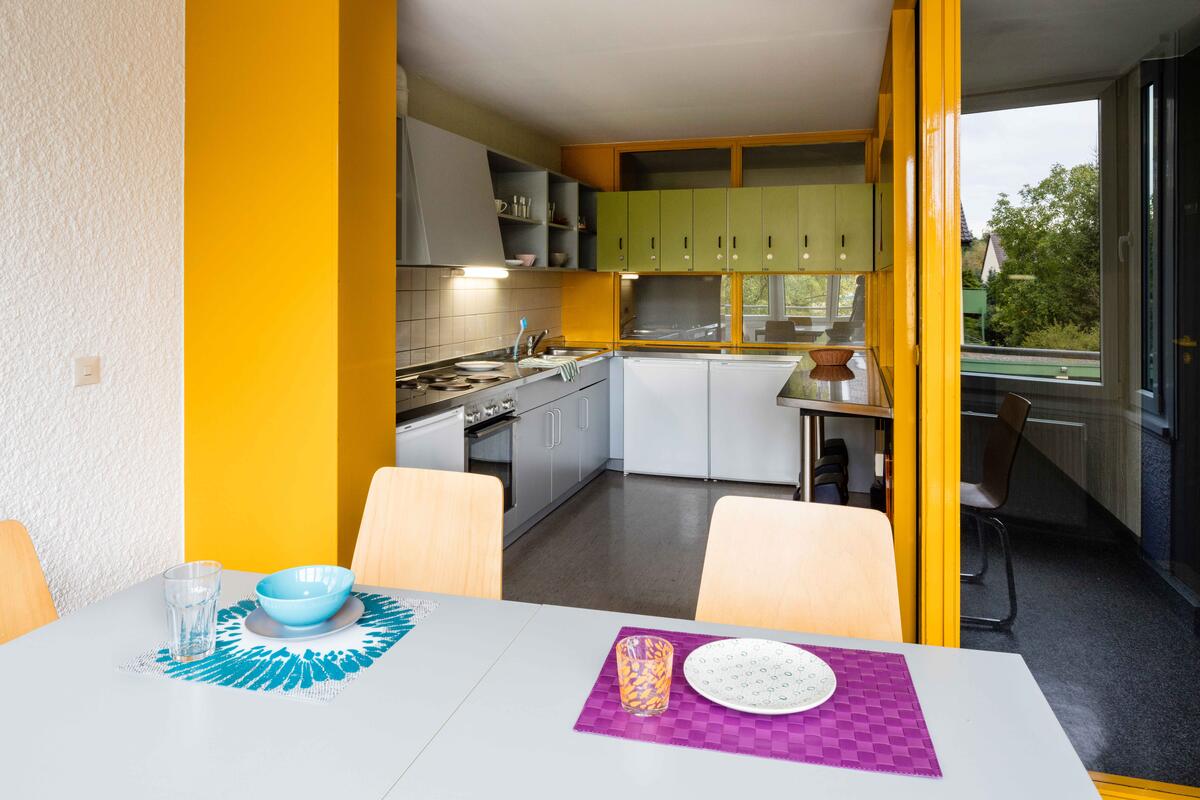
{"x": 315, "y": 670}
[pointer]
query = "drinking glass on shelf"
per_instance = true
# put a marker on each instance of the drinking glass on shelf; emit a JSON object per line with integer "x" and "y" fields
{"x": 644, "y": 674}
{"x": 191, "y": 591}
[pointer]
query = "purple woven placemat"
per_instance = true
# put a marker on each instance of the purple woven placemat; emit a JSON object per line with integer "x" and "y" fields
{"x": 872, "y": 722}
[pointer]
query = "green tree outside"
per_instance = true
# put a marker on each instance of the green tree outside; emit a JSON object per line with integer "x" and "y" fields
{"x": 1048, "y": 292}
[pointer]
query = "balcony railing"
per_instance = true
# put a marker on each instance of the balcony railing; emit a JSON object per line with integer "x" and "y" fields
{"x": 1028, "y": 362}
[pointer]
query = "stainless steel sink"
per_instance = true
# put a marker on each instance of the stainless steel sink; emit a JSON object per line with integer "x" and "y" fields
{"x": 570, "y": 351}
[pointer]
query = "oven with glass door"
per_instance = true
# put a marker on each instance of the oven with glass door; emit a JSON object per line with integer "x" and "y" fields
{"x": 489, "y": 451}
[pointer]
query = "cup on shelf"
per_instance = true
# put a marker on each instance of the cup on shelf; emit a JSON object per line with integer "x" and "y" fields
{"x": 644, "y": 674}
{"x": 501, "y": 206}
{"x": 191, "y": 591}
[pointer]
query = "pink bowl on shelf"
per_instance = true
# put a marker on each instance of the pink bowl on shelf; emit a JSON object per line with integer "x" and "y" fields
{"x": 526, "y": 259}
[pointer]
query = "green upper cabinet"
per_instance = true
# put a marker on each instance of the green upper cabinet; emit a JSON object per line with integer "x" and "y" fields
{"x": 644, "y": 236}
{"x": 883, "y": 225}
{"x": 854, "y": 227}
{"x": 815, "y": 235}
{"x": 675, "y": 215}
{"x": 612, "y": 231}
{"x": 710, "y": 226}
{"x": 780, "y": 221}
{"x": 745, "y": 229}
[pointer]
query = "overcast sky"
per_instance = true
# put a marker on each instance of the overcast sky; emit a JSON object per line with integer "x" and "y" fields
{"x": 1004, "y": 150}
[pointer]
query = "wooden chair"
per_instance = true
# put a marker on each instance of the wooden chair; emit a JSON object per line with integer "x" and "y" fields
{"x": 433, "y": 531}
{"x": 801, "y": 567}
{"x": 780, "y": 331}
{"x": 25, "y": 601}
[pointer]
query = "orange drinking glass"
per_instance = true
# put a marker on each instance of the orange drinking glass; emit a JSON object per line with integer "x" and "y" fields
{"x": 644, "y": 674}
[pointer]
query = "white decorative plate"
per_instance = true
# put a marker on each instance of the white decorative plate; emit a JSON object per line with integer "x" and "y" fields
{"x": 759, "y": 676}
{"x": 478, "y": 366}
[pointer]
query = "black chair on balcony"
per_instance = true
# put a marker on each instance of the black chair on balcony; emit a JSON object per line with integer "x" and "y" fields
{"x": 980, "y": 501}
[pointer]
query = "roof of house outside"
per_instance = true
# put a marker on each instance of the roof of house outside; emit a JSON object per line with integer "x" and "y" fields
{"x": 995, "y": 244}
{"x": 964, "y": 230}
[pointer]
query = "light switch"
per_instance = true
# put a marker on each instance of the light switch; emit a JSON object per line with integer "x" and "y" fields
{"x": 87, "y": 370}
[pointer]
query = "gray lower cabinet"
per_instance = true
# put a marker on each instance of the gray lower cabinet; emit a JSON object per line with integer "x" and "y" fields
{"x": 564, "y": 455}
{"x": 533, "y": 463}
{"x": 556, "y": 445}
{"x": 593, "y": 422}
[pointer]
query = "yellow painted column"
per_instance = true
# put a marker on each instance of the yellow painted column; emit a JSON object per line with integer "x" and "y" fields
{"x": 900, "y": 294}
{"x": 289, "y": 278}
{"x": 940, "y": 296}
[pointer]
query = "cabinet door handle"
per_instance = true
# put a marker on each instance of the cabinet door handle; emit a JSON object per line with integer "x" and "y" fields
{"x": 733, "y": 241}
{"x": 768, "y": 241}
{"x": 718, "y": 242}
{"x": 557, "y": 427}
{"x": 843, "y": 241}
{"x": 651, "y": 242}
{"x": 549, "y": 430}
{"x": 685, "y": 243}
{"x": 806, "y": 241}
{"x": 587, "y": 414}
{"x": 620, "y": 242}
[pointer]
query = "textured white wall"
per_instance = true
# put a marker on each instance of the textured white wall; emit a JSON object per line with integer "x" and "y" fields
{"x": 91, "y": 221}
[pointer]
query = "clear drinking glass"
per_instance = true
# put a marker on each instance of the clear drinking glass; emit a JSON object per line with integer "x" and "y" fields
{"x": 191, "y": 592}
{"x": 644, "y": 674}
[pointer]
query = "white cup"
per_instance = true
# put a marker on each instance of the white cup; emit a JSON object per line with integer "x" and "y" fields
{"x": 501, "y": 206}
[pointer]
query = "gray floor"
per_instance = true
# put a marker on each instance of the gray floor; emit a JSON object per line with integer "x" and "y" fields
{"x": 1117, "y": 661}
{"x": 633, "y": 544}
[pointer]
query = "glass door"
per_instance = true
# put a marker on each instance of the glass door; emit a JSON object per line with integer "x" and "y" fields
{"x": 1080, "y": 240}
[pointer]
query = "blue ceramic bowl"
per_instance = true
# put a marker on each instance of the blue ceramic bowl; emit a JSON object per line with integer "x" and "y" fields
{"x": 304, "y": 596}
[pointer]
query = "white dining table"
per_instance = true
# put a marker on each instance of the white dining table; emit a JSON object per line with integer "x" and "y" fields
{"x": 479, "y": 700}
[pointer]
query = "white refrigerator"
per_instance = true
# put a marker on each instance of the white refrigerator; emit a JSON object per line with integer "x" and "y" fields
{"x": 666, "y": 416}
{"x": 432, "y": 442}
{"x": 750, "y": 437}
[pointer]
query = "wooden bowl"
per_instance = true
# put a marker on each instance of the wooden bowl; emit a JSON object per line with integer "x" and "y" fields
{"x": 831, "y": 357}
{"x": 831, "y": 374}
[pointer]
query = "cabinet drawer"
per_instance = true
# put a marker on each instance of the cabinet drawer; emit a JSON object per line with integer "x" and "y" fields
{"x": 547, "y": 390}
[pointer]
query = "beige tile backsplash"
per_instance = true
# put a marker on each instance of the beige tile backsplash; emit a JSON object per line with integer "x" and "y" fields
{"x": 439, "y": 316}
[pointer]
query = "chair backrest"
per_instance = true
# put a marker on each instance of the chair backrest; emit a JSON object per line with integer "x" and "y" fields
{"x": 25, "y": 601}
{"x": 781, "y": 330}
{"x": 432, "y": 530}
{"x": 1000, "y": 450}
{"x": 801, "y": 567}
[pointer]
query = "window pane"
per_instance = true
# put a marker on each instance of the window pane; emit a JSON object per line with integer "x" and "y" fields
{"x": 1031, "y": 242}
{"x": 1150, "y": 232}
{"x": 679, "y": 308}
{"x": 825, "y": 309}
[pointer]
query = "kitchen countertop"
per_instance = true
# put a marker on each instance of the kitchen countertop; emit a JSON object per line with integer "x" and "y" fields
{"x": 854, "y": 390}
{"x": 861, "y": 393}
{"x": 413, "y": 403}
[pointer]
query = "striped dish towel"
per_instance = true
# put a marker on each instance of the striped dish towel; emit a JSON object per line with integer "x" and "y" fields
{"x": 568, "y": 367}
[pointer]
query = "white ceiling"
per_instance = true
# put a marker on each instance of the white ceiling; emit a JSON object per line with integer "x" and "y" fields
{"x": 613, "y": 70}
{"x": 1015, "y": 44}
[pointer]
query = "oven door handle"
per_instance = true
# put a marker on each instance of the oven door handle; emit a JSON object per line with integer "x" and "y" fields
{"x": 479, "y": 433}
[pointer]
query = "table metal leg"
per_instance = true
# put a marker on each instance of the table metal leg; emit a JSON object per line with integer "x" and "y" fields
{"x": 811, "y": 431}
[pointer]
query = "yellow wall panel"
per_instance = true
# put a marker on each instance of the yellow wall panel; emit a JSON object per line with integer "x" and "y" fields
{"x": 589, "y": 312}
{"x": 265, "y": 355}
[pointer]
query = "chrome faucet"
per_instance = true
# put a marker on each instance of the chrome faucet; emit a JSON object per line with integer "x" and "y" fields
{"x": 533, "y": 341}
